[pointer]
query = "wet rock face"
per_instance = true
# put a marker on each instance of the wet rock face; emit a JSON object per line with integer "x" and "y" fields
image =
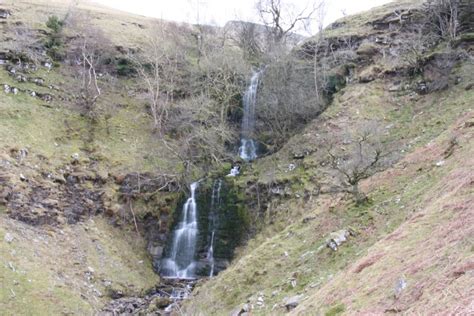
{"x": 221, "y": 217}
{"x": 157, "y": 195}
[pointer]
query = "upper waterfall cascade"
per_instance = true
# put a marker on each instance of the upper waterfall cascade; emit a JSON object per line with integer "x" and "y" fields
{"x": 248, "y": 146}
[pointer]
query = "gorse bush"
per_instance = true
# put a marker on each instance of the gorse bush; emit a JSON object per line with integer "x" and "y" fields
{"x": 54, "y": 43}
{"x": 55, "y": 24}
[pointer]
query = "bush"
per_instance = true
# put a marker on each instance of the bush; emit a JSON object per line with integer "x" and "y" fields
{"x": 125, "y": 67}
{"x": 54, "y": 43}
{"x": 55, "y": 24}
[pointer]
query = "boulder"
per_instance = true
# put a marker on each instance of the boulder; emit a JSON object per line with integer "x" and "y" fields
{"x": 5, "y": 14}
{"x": 338, "y": 238}
{"x": 421, "y": 87}
{"x": 369, "y": 74}
{"x": 155, "y": 251}
{"x": 399, "y": 287}
{"x": 292, "y": 302}
{"x": 367, "y": 49}
{"x": 8, "y": 237}
{"x": 301, "y": 154}
{"x": 161, "y": 301}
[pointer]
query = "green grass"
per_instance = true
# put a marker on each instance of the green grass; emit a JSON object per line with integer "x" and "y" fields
{"x": 263, "y": 266}
{"x": 49, "y": 268}
{"x": 359, "y": 24}
{"x": 335, "y": 310}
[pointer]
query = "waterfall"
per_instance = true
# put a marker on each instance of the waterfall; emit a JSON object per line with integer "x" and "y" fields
{"x": 181, "y": 261}
{"x": 248, "y": 147}
{"x": 210, "y": 255}
{"x": 215, "y": 203}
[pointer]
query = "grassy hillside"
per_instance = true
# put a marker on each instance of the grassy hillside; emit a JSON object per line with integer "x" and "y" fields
{"x": 73, "y": 270}
{"x": 50, "y": 267}
{"x": 55, "y": 129}
{"x": 81, "y": 200}
{"x": 410, "y": 246}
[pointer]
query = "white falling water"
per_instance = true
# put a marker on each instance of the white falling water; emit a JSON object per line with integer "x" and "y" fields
{"x": 210, "y": 255}
{"x": 248, "y": 147}
{"x": 215, "y": 202}
{"x": 235, "y": 171}
{"x": 181, "y": 263}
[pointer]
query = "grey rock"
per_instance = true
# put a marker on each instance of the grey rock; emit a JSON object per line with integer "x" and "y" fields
{"x": 301, "y": 154}
{"x": 292, "y": 302}
{"x": 5, "y": 14}
{"x": 155, "y": 251}
{"x": 8, "y": 238}
{"x": 422, "y": 87}
{"x": 246, "y": 308}
{"x": 22, "y": 153}
{"x": 394, "y": 88}
{"x": 242, "y": 311}
{"x": 161, "y": 302}
{"x": 400, "y": 286}
{"x": 48, "y": 65}
{"x": 75, "y": 157}
{"x": 338, "y": 238}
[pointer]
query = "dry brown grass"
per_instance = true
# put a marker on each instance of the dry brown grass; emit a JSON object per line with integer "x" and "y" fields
{"x": 432, "y": 250}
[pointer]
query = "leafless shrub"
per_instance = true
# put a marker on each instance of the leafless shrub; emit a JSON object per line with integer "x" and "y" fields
{"x": 200, "y": 134}
{"x": 282, "y": 18}
{"x": 360, "y": 156}
{"x": 287, "y": 99}
{"x": 158, "y": 68}
{"x": 443, "y": 16}
{"x": 26, "y": 45}
{"x": 87, "y": 51}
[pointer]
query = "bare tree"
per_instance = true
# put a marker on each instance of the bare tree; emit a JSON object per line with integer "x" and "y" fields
{"x": 26, "y": 45}
{"x": 249, "y": 40}
{"x": 157, "y": 66}
{"x": 282, "y": 18}
{"x": 201, "y": 137}
{"x": 223, "y": 71}
{"x": 286, "y": 100}
{"x": 359, "y": 159}
{"x": 87, "y": 52}
{"x": 444, "y": 17}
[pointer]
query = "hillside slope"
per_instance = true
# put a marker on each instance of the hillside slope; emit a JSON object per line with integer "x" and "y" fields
{"x": 70, "y": 240}
{"x": 409, "y": 248}
{"x": 86, "y": 206}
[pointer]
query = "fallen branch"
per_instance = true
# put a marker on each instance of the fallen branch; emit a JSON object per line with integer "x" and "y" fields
{"x": 133, "y": 214}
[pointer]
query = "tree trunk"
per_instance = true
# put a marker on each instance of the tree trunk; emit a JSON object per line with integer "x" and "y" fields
{"x": 359, "y": 197}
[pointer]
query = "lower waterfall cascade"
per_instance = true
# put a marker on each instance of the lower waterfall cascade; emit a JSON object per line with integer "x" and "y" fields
{"x": 181, "y": 262}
